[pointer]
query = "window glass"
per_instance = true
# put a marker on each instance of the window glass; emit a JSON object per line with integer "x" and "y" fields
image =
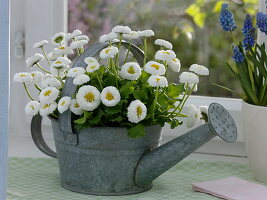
{"x": 191, "y": 25}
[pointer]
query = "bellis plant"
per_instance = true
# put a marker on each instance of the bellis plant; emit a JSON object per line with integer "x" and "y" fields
{"x": 113, "y": 89}
{"x": 250, "y": 58}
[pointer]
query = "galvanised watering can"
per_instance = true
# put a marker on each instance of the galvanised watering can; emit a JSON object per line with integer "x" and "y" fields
{"x": 105, "y": 161}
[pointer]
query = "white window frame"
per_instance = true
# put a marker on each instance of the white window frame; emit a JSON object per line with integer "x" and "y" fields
{"x": 4, "y": 96}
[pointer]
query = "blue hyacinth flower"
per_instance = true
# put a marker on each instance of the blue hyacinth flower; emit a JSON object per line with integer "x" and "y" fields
{"x": 238, "y": 55}
{"x": 262, "y": 22}
{"x": 249, "y": 33}
{"x": 226, "y": 18}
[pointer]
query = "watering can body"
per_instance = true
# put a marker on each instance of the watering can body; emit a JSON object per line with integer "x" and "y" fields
{"x": 105, "y": 161}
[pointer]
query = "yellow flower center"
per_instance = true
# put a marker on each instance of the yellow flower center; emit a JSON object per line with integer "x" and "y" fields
{"x": 166, "y": 52}
{"x": 107, "y": 51}
{"x": 63, "y": 103}
{"x": 33, "y": 74}
{"x": 75, "y": 70}
{"x": 131, "y": 70}
{"x": 32, "y": 107}
{"x": 46, "y": 106}
{"x": 109, "y": 96}
{"x": 89, "y": 97}
{"x": 47, "y": 93}
{"x": 139, "y": 111}
{"x": 92, "y": 67}
{"x": 22, "y": 75}
{"x": 62, "y": 47}
{"x": 76, "y": 105}
{"x": 174, "y": 59}
{"x": 58, "y": 62}
{"x": 157, "y": 79}
{"x": 155, "y": 66}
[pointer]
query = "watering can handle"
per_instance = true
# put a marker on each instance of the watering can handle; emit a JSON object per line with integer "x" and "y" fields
{"x": 36, "y": 131}
{"x": 69, "y": 89}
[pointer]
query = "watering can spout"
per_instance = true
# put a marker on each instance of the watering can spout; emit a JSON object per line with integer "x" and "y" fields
{"x": 159, "y": 160}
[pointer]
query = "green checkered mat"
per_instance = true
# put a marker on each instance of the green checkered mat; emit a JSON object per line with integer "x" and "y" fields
{"x": 38, "y": 179}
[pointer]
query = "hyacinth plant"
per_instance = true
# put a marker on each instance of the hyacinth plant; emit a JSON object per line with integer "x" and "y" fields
{"x": 250, "y": 58}
{"x": 112, "y": 91}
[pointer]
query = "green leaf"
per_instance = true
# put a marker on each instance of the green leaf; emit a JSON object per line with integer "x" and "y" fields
{"x": 141, "y": 94}
{"x": 174, "y": 90}
{"x": 174, "y": 123}
{"x": 116, "y": 119}
{"x": 113, "y": 110}
{"x": 127, "y": 89}
{"x": 163, "y": 101}
{"x": 97, "y": 118}
{"x": 86, "y": 115}
{"x": 136, "y": 131}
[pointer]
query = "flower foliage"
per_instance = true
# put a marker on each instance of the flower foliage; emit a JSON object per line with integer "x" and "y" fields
{"x": 250, "y": 59}
{"x": 112, "y": 91}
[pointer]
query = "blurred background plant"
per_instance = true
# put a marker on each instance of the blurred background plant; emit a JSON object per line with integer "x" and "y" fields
{"x": 190, "y": 25}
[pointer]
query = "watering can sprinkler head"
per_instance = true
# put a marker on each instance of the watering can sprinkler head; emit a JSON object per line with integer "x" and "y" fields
{"x": 221, "y": 123}
{"x": 159, "y": 160}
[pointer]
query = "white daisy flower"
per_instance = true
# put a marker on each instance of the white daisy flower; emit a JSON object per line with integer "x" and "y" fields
{"x": 131, "y": 36}
{"x": 48, "y": 95}
{"x": 110, "y": 96}
{"x": 121, "y": 29}
{"x": 157, "y": 81}
{"x": 58, "y": 71}
{"x": 37, "y": 76}
{"x": 191, "y": 86}
{"x": 52, "y": 56}
{"x": 22, "y": 77}
{"x": 88, "y": 97}
{"x": 30, "y": 62}
{"x": 146, "y": 33}
{"x": 204, "y": 109}
{"x": 92, "y": 67}
{"x": 51, "y": 82}
{"x": 47, "y": 109}
{"x": 78, "y": 44}
{"x": 64, "y": 104}
{"x": 131, "y": 71}
{"x": 62, "y": 50}
{"x": 163, "y": 43}
{"x": 76, "y": 33}
{"x": 111, "y": 36}
{"x": 188, "y": 77}
{"x": 109, "y": 52}
{"x": 40, "y": 44}
{"x": 199, "y": 69}
{"x": 68, "y": 37}
{"x": 165, "y": 55}
{"x": 81, "y": 79}
{"x": 76, "y": 71}
{"x": 89, "y": 60}
{"x": 58, "y": 38}
{"x": 136, "y": 111}
{"x": 103, "y": 38}
{"x": 154, "y": 68}
{"x": 75, "y": 107}
{"x": 32, "y": 108}
{"x": 63, "y": 60}
{"x": 193, "y": 116}
{"x": 82, "y": 37}
{"x": 174, "y": 64}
